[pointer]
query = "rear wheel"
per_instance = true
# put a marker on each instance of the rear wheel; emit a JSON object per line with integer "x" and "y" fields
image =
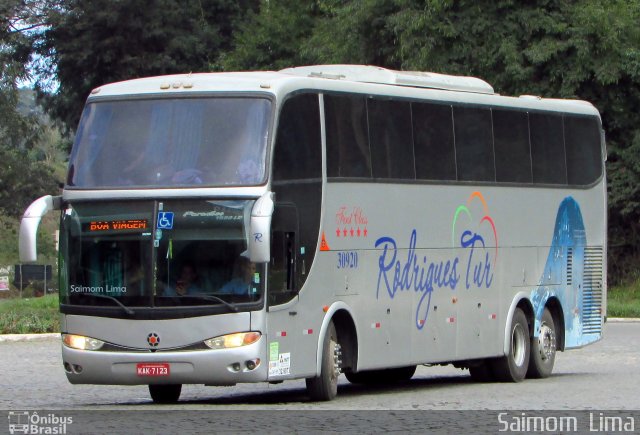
{"x": 165, "y": 393}
{"x": 325, "y": 386}
{"x": 513, "y": 366}
{"x": 543, "y": 348}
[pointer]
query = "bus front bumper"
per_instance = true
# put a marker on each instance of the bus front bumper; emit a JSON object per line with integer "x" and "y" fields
{"x": 210, "y": 367}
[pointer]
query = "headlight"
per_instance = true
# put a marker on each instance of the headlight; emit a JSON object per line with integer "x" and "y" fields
{"x": 233, "y": 340}
{"x": 81, "y": 342}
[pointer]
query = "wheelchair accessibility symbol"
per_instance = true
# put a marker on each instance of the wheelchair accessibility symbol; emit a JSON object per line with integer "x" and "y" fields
{"x": 165, "y": 220}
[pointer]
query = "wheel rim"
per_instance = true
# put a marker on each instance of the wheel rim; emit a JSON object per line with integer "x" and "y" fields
{"x": 518, "y": 344}
{"x": 546, "y": 342}
{"x": 337, "y": 360}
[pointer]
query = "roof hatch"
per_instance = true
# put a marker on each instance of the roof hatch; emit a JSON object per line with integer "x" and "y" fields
{"x": 374, "y": 74}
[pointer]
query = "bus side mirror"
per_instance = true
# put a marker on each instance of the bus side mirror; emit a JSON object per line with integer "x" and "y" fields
{"x": 30, "y": 223}
{"x": 260, "y": 229}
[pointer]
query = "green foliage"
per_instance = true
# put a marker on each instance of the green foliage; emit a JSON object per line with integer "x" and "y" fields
{"x": 15, "y": 50}
{"x": 354, "y": 32}
{"x": 270, "y": 39}
{"x": 92, "y": 43}
{"x": 288, "y": 33}
{"x": 8, "y": 240}
{"x": 28, "y": 316}
{"x": 22, "y": 180}
{"x": 624, "y": 301}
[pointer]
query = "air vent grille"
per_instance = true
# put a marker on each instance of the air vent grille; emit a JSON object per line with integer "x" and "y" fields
{"x": 592, "y": 290}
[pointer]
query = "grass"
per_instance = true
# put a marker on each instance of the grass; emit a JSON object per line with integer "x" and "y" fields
{"x": 38, "y": 315}
{"x": 29, "y": 316}
{"x": 624, "y": 301}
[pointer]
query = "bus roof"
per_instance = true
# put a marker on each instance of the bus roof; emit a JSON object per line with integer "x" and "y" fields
{"x": 366, "y": 79}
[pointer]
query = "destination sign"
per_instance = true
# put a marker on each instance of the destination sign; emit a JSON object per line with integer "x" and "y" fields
{"x": 117, "y": 225}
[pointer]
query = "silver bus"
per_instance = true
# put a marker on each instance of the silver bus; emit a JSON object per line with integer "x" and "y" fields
{"x": 323, "y": 221}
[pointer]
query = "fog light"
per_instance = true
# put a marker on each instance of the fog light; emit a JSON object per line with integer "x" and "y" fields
{"x": 235, "y": 367}
{"x": 252, "y": 364}
{"x": 77, "y": 368}
{"x": 67, "y": 367}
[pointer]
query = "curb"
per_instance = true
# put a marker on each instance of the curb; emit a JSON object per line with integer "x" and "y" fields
{"x": 623, "y": 320}
{"x": 28, "y": 337}
{"x": 56, "y": 335}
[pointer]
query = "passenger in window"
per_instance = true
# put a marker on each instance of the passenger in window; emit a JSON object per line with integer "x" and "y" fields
{"x": 186, "y": 284}
{"x": 243, "y": 272}
{"x": 187, "y": 176}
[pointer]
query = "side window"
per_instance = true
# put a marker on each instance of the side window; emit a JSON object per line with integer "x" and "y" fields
{"x": 584, "y": 152}
{"x": 474, "y": 144}
{"x": 297, "y": 152}
{"x": 435, "y": 153}
{"x": 547, "y": 149}
{"x": 348, "y": 152}
{"x": 390, "y": 138}
{"x": 511, "y": 145}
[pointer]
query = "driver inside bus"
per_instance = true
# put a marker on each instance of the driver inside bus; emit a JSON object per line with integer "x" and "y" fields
{"x": 243, "y": 272}
{"x": 186, "y": 284}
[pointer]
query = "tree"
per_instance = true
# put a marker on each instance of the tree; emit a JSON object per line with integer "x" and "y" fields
{"x": 288, "y": 33}
{"x": 357, "y": 32}
{"x": 22, "y": 177}
{"x": 270, "y": 39}
{"x": 17, "y": 17}
{"x": 92, "y": 43}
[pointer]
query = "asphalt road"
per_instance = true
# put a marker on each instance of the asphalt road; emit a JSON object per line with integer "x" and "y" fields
{"x": 596, "y": 379}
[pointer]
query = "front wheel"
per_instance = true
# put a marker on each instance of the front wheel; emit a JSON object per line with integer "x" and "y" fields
{"x": 543, "y": 348}
{"x": 513, "y": 366}
{"x": 325, "y": 386}
{"x": 165, "y": 393}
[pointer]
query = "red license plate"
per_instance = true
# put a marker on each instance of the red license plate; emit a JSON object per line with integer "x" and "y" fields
{"x": 155, "y": 369}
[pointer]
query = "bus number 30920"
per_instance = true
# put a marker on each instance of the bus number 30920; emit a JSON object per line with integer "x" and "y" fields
{"x": 347, "y": 260}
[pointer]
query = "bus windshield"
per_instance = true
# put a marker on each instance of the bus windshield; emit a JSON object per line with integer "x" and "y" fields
{"x": 171, "y": 142}
{"x": 151, "y": 254}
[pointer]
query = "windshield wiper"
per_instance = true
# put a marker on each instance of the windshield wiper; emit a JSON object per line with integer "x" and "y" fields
{"x": 215, "y": 299}
{"x": 126, "y": 309}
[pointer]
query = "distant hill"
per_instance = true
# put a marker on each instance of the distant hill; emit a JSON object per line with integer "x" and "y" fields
{"x": 28, "y": 106}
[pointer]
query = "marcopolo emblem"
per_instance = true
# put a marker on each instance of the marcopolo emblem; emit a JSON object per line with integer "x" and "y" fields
{"x": 153, "y": 339}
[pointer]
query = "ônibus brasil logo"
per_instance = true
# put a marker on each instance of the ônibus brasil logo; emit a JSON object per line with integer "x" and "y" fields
{"x": 30, "y": 422}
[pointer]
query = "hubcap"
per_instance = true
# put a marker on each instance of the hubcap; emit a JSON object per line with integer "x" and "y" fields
{"x": 337, "y": 360}
{"x": 546, "y": 342}
{"x": 518, "y": 344}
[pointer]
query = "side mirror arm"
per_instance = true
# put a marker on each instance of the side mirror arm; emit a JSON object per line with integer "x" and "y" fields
{"x": 30, "y": 223}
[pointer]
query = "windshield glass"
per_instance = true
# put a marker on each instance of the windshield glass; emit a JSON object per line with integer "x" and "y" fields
{"x": 158, "y": 254}
{"x": 171, "y": 142}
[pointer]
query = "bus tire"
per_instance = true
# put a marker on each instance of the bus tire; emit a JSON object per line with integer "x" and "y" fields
{"x": 402, "y": 373}
{"x": 325, "y": 386}
{"x": 543, "y": 348}
{"x": 513, "y": 366}
{"x": 363, "y": 377}
{"x": 162, "y": 393}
